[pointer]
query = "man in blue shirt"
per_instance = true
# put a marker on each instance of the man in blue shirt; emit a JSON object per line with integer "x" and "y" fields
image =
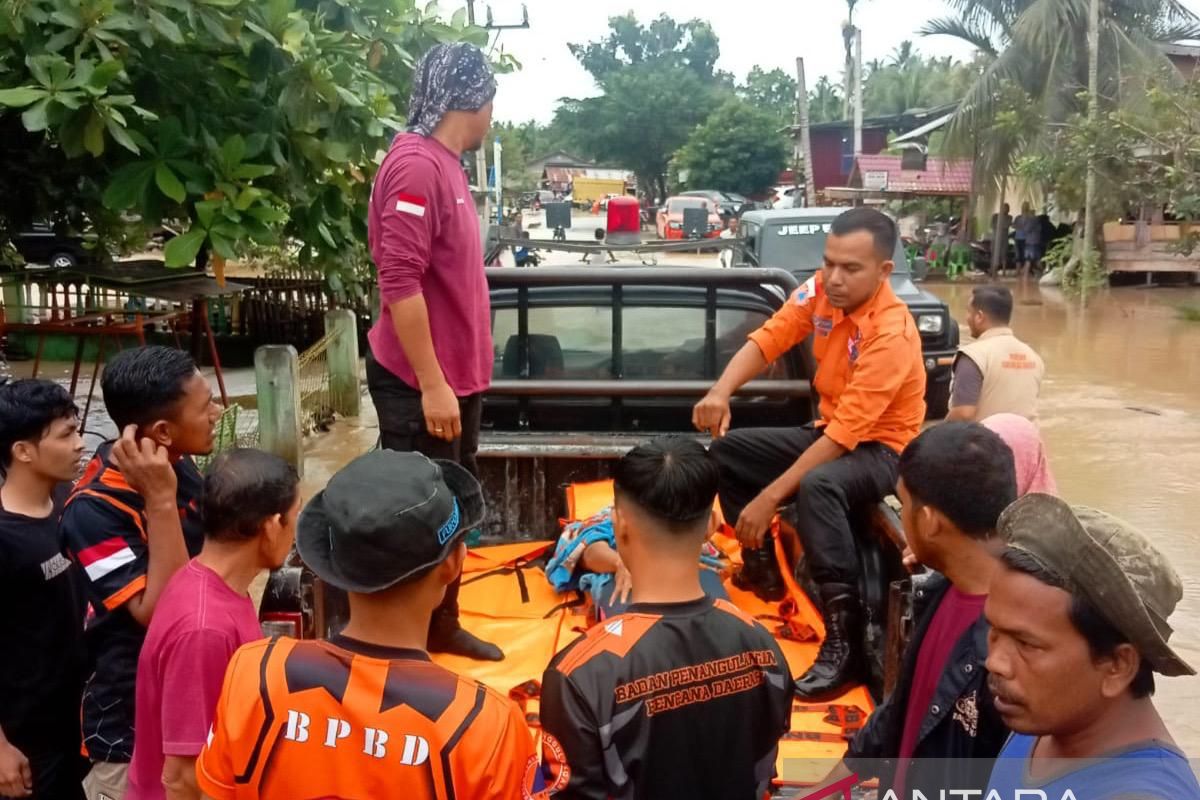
{"x": 1079, "y": 627}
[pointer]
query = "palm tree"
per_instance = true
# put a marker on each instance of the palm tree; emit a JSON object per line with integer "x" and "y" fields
{"x": 824, "y": 101}
{"x": 1038, "y": 67}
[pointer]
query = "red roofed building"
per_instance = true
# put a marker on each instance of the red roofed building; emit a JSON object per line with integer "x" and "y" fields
{"x": 910, "y": 175}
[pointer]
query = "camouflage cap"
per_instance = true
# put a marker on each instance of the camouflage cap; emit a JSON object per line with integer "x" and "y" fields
{"x": 1108, "y": 562}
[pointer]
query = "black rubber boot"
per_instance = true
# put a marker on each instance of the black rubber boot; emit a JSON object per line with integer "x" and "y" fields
{"x": 447, "y": 636}
{"x": 760, "y": 573}
{"x": 839, "y": 661}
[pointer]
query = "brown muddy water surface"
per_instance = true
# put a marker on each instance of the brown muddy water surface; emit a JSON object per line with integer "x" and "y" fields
{"x": 1120, "y": 414}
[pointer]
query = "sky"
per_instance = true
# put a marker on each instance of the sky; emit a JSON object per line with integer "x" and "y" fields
{"x": 770, "y": 33}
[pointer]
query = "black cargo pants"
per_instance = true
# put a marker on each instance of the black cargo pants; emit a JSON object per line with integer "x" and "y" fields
{"x": 751, "y": 458}
{"x": 402, "y": 427}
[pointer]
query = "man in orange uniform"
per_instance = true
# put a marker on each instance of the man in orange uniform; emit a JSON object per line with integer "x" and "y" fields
{"x": 871, "y": 382}
{"x": 366, "y": 713}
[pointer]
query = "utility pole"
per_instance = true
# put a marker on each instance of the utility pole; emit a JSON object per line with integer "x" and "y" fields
{"x": 480, "y": 154}
{"x": 858, "y": 93}
{"x": 1089, "y": 207}
{"x": 810, "y": 189}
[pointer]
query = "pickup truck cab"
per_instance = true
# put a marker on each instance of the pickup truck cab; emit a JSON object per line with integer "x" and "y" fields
{"x": 793, "y": 239}
{"x": 590, "y": 361}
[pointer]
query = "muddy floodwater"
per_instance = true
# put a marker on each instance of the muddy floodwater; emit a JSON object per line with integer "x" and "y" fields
{"x": 1120, "y": 414}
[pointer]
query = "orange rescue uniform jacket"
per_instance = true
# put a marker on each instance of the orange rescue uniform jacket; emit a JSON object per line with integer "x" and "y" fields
{"x": 346, "y": 719}
{"x": 870, "y": 372}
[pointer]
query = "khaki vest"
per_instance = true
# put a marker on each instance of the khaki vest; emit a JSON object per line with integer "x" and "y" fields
{"x": 1012, "y": 374}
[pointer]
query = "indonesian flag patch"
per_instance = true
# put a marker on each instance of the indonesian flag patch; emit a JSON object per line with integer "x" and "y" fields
{"x": 410, "y": 204}
{"x": 807, "y": 291}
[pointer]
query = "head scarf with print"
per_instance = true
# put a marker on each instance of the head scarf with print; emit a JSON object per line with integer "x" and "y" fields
{"x": 1029, "y": 453}
{"x": 450, "y": 77}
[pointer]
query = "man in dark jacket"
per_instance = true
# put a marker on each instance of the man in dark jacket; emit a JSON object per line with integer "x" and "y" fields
{"x": 939, "y": 728}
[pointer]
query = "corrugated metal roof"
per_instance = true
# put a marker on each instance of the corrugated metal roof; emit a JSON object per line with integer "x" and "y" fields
{"x": 940, "y": 176}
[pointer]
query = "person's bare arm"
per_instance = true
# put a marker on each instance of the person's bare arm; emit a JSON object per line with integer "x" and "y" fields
{"x": 179, "y": 778}
{"x": 962, "y": 414}
{"x": 147, "y": 468}
{"x": 410, "y": 320}
{"x": 16, "y": 776}
{"x": 600, "y": 557}
{"x": 712, "y": 414}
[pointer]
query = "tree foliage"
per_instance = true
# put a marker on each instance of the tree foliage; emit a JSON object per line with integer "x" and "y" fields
{"x": 242, "y": 120}
{"x": 738, "y": 149}
{"x": 1148, "y": 159}
{"x": 908, "y": 80}
{"x": 657, "y": 82}
{"x": 690, "y": 45}
{"x": 1040, "y": 46}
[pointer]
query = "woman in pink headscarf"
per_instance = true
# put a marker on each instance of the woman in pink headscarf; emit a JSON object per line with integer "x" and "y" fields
{"x": 1029, "y": 454}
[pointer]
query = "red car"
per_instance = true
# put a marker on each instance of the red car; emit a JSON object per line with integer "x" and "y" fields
{"x": 670, "y": 217}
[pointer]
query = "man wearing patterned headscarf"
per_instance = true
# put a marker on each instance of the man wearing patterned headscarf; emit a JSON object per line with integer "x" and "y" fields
{"x": 431, "y": 350}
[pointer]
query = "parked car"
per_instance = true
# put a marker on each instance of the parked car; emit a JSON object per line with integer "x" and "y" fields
{"x": 787, "y": 197}
{"x": 670, "y": 217}
{"x": 794, "y": 239}
{"x": 42, "y": 245}
{"x": 728, "y": 204}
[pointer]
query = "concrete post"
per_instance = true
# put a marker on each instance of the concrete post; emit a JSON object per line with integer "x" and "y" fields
{"x": 277, "y": 373}
{"x": 342, "y": 360}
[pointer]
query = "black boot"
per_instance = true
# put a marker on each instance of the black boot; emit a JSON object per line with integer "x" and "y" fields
{"x": 839, "y": 661}
{"x": 760, "y": 573}
{"x": 446, "y": 635}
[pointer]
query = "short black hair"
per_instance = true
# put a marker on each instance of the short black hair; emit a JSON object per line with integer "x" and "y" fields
{"x": 994, "y": 301}
{"x": 27, "y": 409}
{"x": 963, "y": 470}
{"x": 672, "y": 478}
{"x": 242, "y": 489}
{"x": 141, "y": 385}
{"x": 875, "y": 222}
{"x": 1102, "y": 636}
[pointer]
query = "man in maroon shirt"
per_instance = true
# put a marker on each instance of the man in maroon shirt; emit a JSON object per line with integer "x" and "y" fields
{"x": 939, "y": 728}
{"x": 431, "y": 350}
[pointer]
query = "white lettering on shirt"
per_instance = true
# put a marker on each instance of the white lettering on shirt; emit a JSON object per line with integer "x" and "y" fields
{"x": 297, "y": 726}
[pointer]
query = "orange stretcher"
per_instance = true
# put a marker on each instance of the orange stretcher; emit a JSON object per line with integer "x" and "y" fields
{"x": 505, "y": 598}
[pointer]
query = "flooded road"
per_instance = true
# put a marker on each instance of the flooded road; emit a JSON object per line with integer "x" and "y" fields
{"x": 1120, "y": 414}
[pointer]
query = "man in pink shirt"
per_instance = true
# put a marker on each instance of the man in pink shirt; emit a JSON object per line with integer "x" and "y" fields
{"x": 251, "y": 502}
{"x": 431, "y": 350}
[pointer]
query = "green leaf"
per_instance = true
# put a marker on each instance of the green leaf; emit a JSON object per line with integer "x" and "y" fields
{"x": 337, "y": 151}
{"x": 206, "y": 210}
{"x": 460, "y": 18}
{"x": 61, "y": 39}
{"x": 221, "y": 3}
{"x": 181, "y": 251}
{"x": 215, "y": 29}
{"x": 255, "y": 144}
{"x": 128, "y": 185}
{"x": 21, "y": 96}
{"x": 39, "y": 67}
{"x": 294, "y": 35}
{"x": 233, "y": 151}
{"x": 120, "y": 135}
{"x": 104, "y": 74}
{"x": 165, "y": 27}
{"x": 93, "y": 134}
{"x": 169, "y": 184}
{"x": 268, "y": 215}
{"x": 247, "y": 198}
{"x": 349, "y": 97}
{"x": 323, "y": 229}
{"x": 248, "y": 172}
{"x": 34, "y": 117}
{"x": 263, "y": 32}
{"x": 224, "y": 246}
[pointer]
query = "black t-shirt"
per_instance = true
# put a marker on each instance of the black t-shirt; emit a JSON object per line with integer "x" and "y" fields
{"x": 667, "y": 700}
{"x": 104, "y": 527}
{"x": 41, "y": 628}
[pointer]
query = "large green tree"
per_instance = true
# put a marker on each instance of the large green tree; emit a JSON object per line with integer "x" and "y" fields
{"x": 907, "y": 80}
{"x": 738, "y": 149}
{"x": 658, "y": 82}
{"x": 241, "y": 120}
